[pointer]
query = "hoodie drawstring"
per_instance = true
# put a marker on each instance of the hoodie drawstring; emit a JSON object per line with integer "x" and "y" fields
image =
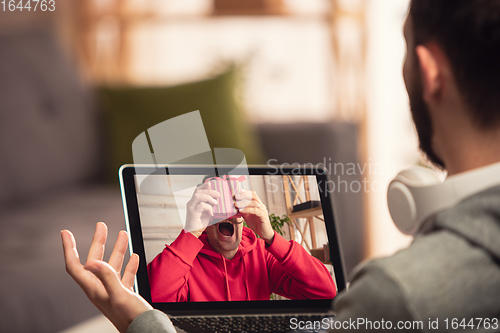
{"x": 246, "y": 277}
{"x": 247, "y": 298}
{"x": 225, "y": 276}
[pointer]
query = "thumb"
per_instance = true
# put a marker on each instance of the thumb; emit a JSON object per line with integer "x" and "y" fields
{"x": 107, "y": 275}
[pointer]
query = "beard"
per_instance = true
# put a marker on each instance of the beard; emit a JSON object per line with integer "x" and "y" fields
{"x": 422, "y": 120}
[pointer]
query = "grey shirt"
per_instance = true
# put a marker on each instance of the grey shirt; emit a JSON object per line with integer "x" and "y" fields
{"x": 151, "y": 321}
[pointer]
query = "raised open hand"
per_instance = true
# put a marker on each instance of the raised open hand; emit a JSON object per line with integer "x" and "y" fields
{"x": 100, "y": 280}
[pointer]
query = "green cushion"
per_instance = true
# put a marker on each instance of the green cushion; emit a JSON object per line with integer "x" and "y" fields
{"x": 129, "y": 111}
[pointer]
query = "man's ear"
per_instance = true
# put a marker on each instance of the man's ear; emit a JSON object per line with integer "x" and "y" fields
{"x": 431, "y": 72}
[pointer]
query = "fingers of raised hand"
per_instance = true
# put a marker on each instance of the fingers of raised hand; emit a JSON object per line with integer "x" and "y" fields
{"x": 108, "y": 277}
{"x": 85, "y": 279}
{"x": 96, "y": 251}
{"x": 128, "y": 278}
{"x": 116, "y": 258}
{"x": 71, "y": 256}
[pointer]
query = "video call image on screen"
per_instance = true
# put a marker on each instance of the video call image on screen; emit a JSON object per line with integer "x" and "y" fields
{"x": 184, "y": 268}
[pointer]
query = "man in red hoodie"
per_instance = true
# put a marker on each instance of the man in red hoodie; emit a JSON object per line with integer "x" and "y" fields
{"x": 227, "y": 262}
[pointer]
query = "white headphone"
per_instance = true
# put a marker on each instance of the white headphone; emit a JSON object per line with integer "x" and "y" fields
{"x": 417, "y": 194}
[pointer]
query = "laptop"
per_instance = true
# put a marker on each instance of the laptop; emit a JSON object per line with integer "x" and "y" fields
{"x": 200, "y": 290}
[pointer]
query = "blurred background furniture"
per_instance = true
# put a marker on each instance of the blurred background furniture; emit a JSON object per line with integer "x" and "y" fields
{"x": 50, "y": 149}
{"x": 299, "y": 207}
{"x": 325, "y": 143}
{"x": 55, "y": 146}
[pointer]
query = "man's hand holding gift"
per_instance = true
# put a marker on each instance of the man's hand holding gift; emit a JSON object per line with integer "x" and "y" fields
{"x": 255, "y": 214}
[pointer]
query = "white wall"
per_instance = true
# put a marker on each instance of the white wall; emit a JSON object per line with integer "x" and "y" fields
{"x": 391, "y": 136}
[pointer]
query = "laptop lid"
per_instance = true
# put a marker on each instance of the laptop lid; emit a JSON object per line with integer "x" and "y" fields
{"x": 300, "y": 207}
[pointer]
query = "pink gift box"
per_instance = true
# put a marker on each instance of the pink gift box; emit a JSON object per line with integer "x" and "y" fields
{"x": 227, "y": 186}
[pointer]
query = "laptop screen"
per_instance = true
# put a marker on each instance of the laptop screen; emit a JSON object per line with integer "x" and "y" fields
{"x": 260, "y": 240}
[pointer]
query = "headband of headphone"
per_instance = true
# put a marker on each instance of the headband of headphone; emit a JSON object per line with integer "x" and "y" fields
{"x": 417, "y": 194}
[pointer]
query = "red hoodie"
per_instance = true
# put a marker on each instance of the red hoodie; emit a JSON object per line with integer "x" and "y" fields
{"x": 190, "y": 270}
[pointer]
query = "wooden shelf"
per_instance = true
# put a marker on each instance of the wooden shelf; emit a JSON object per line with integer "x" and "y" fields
{"x": 311, "y": 212}
{"x": 299, "y": 204}
{"x": 248, "y": 7}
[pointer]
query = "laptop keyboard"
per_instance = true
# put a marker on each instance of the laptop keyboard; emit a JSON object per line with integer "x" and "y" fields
{"x": 244, "y": 324}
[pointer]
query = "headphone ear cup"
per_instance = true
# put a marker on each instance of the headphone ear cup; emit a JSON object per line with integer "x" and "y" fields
{"x": 402, "y": 205}
{"x": 418, "y": 177}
